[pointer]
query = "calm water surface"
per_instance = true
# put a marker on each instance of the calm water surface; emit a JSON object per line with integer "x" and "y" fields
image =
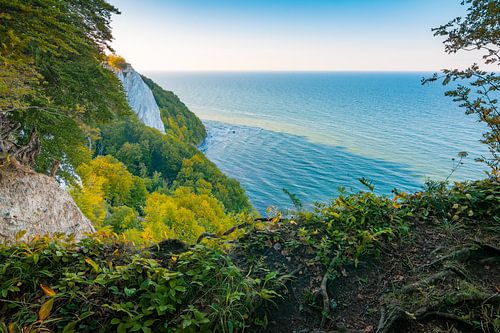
{"x": 313, "y": 132}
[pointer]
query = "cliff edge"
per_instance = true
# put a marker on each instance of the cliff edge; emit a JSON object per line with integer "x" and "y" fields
{"x": 36, "y": 203}
{"x": 140, "y": 98}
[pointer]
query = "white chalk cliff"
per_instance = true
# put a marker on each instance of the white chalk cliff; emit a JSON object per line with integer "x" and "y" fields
{"x": 140, "y": 98}
{"x": 37, "y": 204}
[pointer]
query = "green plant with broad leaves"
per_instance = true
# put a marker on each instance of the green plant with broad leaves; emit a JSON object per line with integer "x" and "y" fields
{"x": 101, "y": 284}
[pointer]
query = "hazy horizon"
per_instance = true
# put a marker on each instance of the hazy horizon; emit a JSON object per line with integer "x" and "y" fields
{"x": 285, "y": 36}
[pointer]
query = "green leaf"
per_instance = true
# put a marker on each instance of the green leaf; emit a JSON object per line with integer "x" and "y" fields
{"x": 186, "y": 323}
{"x": 180, "y": 288}
{"x": 115, "y": 321}
{"x": 86, "y": 315}
{"x": 270, "y": 276}
{"x": 70, "y": 327}
{"x": 149, "y": 322}
{"x": 121, "y": 328}
{"x": 129, "y": 292}
{"x": 136, "y": 327}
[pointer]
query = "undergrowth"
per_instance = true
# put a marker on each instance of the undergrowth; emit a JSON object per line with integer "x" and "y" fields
{"x": 103, "y": 284}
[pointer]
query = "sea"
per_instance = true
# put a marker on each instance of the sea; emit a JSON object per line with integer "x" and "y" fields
{"x": 313, "y": 133}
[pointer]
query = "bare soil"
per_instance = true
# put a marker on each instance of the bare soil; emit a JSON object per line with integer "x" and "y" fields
{"x": 438, "y": 278}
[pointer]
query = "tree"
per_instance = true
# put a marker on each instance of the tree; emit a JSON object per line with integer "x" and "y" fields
{"x": 476, "y": 90}
{"x": 122, "y": 218}
{"x": 106, "y": 183}
{"x": 202, "y": 175}
{"x": 53, "y": 85}
{"x": 120, "y": 187}
{"x": 183, "y": 215}
{"x": 148, "y": 153}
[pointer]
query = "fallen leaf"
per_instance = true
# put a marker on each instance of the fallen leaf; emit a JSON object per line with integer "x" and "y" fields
{"x": 45, "y": 309}
{"x": 47, "y": 290}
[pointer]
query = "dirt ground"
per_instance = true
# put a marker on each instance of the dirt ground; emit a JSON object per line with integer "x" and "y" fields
{"x": 438, "y": 278}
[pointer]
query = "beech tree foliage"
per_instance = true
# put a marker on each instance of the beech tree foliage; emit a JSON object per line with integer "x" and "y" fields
{"x": 61, "y": 104}
{"x": 476, "y": 89}
{"x": 111, "y": 197}
{"x": 53, "y": 86}
{"x": 168, "y": 161}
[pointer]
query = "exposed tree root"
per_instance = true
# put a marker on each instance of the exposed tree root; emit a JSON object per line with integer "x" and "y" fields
{"x": 428, "y": 280}
{"x": 233, "y": 229}
{"x": 326, "y": 298}
{"x": 393, "y": 316}
{"x": 396, "y": 314}
{"x": 464, "y": 254}
{"x": 458, "y": 255}
{"x": 387, "y": 322}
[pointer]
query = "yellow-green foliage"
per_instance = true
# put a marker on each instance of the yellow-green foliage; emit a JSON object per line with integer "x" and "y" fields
{"x": 147, "y": 153}
{"x": 110, "y": 196}
{"x": 117, "y": 182}
{"x": 116, "y": 61}
{"x": 183, "y": 215}
{"x": 201, "y": 174}
{"x": 106, "y": 181}
{"x": 90, "y": 198}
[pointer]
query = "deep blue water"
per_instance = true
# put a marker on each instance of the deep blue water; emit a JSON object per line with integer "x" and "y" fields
{"x": 313, "y": 132}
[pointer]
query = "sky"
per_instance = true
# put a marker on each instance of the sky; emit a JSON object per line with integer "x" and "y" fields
{"x": 285, "y": 35}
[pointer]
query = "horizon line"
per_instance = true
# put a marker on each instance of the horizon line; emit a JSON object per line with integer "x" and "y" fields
{"x": 295, "y": 70}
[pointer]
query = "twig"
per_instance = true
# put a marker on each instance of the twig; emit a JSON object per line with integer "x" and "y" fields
{"x": 326, "y": 299}
{"x": 381, "y": 321}
{"x": 232, "y": 229}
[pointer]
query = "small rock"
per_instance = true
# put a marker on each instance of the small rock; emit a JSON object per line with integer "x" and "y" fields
{"x": 277, "y": 246}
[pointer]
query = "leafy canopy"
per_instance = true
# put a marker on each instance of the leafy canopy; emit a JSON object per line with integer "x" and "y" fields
{"x": 53, "y": 86}
{"x": 476, "y": 90}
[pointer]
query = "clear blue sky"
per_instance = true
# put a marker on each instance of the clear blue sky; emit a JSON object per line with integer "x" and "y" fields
{"x": 284, "y": 34}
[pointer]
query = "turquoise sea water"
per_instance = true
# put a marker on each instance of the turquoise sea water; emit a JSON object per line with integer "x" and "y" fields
{"x": 313, "y": 132}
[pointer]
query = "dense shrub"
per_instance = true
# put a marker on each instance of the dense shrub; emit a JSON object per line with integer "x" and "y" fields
{"x": 101, "y": 284}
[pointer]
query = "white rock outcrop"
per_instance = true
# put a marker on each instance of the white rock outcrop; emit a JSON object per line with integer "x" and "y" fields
{"x": 37, "y": 204}
{"x": 140, "y": 98}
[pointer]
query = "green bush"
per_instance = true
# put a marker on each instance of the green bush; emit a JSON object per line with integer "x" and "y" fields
{"x": 101, "y": 284}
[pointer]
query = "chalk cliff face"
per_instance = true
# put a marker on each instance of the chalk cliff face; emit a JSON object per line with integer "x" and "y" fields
{"x": 140, "y": 98}
{"x": 37, "y": 204}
